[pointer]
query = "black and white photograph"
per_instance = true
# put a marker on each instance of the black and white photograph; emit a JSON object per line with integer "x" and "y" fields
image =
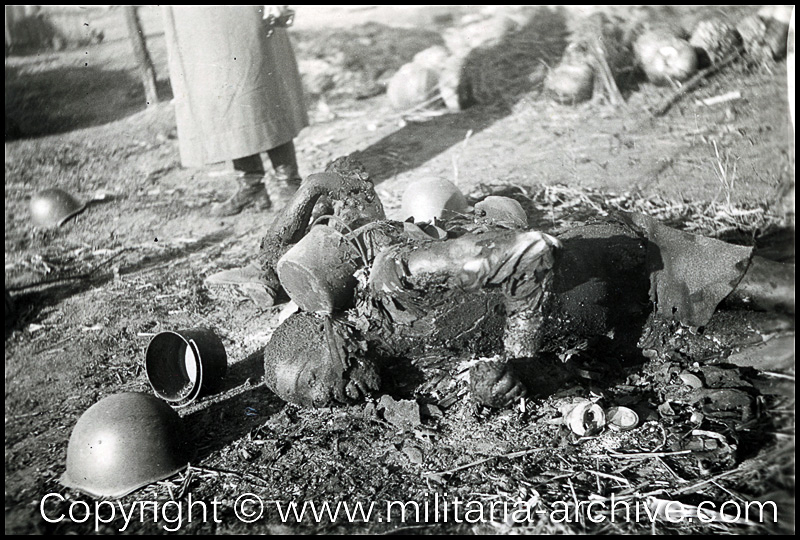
{"x": 399, "y": 269}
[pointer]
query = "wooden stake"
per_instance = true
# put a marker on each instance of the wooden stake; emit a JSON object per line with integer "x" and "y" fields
{"x": 146, "y": 70}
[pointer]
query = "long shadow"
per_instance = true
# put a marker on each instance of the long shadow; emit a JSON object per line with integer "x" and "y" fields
{"x": 223, "y": 418}
{"x": 64, "y": 99}
{"x": 494, "y": 78}
{"x": 32, "y": 301}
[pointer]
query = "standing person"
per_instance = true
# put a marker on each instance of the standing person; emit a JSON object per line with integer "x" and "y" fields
{"x": 237, "y": 93}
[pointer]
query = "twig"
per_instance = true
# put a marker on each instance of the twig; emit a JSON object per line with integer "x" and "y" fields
{"x": 644, "y": 455}
{"x": 730, "y": 96}
{"x": 694, "y": 487}
{"x": 405, "y": 528}
{"x": 669, "y": 469}
{"x": 86, "y": 275}
{"x": 21, "y": 416}
{"x": 778, "y": 375}
{"x": 696, "y": 81}
{"x": 619, "y": 479}
{"x": 246, "y": 475}
{"x": 606, "y": 75}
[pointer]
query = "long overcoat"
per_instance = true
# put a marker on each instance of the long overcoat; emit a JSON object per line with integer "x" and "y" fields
{"x": 237, "y": 90}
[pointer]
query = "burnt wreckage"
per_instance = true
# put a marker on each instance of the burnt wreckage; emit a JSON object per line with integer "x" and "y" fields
{"x": 372, "y": 292}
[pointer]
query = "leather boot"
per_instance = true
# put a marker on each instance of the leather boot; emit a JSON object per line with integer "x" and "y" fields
{"x": 251, "y": 192}
{"x": 288, "y": 174}
{"x": 285, "y": 177}
{"x": 284, "y": 163}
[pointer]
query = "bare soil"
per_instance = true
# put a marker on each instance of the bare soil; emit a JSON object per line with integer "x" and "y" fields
{"x": 133, "y": 265}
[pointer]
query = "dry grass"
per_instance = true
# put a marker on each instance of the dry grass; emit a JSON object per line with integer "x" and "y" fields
{"x": 557, "y": 206}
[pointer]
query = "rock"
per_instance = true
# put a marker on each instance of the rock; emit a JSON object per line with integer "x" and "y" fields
{"x": 370, "y": 411}
{"x": 404, "y": 414}
{"x": 431, "y": 411}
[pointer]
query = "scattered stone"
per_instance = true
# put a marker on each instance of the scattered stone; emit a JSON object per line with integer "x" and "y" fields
{"x": 404, "y": 413}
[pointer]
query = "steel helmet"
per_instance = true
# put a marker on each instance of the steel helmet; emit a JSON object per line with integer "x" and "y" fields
{"x": 502, "y": 210}
{"x": 429, "y": 198}
{"x": 52, "y": 207}
{"x": 124, "y": 442}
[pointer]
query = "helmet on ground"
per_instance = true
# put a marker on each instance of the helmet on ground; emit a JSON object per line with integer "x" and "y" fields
{"x": 503, "y": 210}
{"x": 124, "y": 442}
{"x": 52, "y": 207}
{"x": 429, "y": 198}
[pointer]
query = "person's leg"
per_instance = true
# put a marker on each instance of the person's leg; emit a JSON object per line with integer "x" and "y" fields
{"x": 284, "y": 162}
{"x": 251, "y": 187}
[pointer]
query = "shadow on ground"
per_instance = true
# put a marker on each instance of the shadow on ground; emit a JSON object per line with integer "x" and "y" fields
{"x": 64, "y": 99}
{"x": 227, "y": 418}
{"x": 30, "y": 300}
{"x": 494, "y": 79}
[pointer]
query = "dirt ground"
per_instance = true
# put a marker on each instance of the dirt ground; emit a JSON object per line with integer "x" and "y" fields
{"x": 92, "y": 293}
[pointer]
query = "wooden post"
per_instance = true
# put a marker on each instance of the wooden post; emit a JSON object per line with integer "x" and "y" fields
{"x": 146, "y": 69}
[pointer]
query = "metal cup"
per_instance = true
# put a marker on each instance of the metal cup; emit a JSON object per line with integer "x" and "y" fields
{"x": 185, "y": 364}
{"x": 317, "y": 272}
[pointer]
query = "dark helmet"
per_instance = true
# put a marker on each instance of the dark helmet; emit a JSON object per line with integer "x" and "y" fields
{"x": 124, "y": 442}
{"x": 52, "y": 207}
